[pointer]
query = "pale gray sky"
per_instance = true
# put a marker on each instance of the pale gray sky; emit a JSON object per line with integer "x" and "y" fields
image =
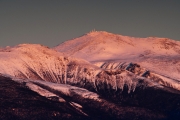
{"x": 50, "y": 22}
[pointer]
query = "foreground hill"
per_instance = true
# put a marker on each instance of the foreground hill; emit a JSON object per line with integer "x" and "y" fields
{"x": 59, "y": 101}
{"x": 159, "y": 55}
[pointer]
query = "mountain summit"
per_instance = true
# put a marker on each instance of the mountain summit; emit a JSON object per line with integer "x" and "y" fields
{"x": 100, "y": 45}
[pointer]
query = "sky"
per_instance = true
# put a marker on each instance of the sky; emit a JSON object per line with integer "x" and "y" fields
{"x": 51, "y": 22}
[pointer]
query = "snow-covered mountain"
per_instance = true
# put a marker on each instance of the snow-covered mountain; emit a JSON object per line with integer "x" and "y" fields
{"x": 126, "y": 76}
{"x": 158, "y": 55}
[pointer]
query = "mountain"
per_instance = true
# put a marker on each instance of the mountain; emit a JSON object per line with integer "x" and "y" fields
{"x": 108, "y": 84}
{"x": 158, "y": 55}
